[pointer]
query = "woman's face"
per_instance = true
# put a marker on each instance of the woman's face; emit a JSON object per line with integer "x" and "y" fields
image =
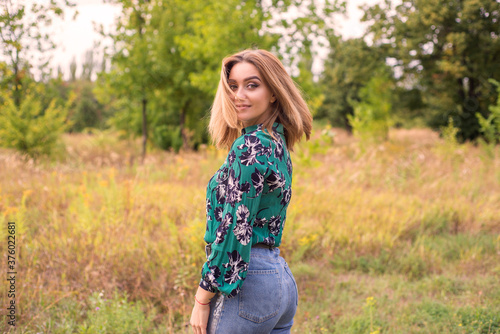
{"x": 251, "y": 95}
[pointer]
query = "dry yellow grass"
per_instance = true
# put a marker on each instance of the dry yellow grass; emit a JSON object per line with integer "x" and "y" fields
{"x": 99, "y": 220}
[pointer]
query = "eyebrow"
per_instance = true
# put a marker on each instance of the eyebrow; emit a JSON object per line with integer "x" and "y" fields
{"x": 248, "y": 79}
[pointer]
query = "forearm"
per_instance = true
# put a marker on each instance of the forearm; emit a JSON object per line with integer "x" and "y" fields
{"x": 204, "y": 296}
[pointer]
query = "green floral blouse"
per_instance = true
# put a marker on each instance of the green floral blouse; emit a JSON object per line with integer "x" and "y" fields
{"x": 246, "y": 203}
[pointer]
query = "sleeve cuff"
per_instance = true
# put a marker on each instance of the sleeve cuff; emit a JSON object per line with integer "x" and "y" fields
{"x": 207, "y": 286}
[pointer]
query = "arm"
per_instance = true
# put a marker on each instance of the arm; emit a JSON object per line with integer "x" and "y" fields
{"x": 238, "y": 200}
{"x": 236, "y": 203}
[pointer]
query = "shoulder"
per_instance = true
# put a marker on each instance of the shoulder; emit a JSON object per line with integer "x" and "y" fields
{"x": 256, "y": 140}
{"x": 254, "y": 148}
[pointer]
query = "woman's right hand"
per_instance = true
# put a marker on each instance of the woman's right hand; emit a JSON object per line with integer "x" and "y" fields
{"x": 199, "y": 318}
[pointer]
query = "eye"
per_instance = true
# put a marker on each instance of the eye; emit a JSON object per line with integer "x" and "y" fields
{"x": 252, "y": 86}
{"x": 233, "y": 87}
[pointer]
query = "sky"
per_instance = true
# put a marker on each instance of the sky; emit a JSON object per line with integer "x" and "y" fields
{"x": 75, "y": 37}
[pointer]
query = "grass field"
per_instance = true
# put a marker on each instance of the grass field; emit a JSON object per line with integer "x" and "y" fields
{"x": 398, "y": 237}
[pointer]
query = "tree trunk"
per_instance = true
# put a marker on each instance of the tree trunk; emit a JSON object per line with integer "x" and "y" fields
{"x": 17, "y": 82}
{"x": 461, "y": 90}
{"x": 144, "y": 128}
{"x": 182, "y": 120}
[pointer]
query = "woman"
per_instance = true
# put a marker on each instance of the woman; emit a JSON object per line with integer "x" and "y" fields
{"x": 258, "y": 113}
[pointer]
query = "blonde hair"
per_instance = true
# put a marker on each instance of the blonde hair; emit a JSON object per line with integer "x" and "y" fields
{"x": 290, "y": 108}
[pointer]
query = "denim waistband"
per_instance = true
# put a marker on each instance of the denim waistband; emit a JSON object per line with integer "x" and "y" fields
{"x": 260, "y": 251}
{"x": 265, "y": 252}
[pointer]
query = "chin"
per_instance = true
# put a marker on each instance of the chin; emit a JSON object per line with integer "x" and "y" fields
{"x": 243, "y": 120}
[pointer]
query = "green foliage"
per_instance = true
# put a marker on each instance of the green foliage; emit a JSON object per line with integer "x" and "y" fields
{"x": 212, "y": 31}
{"x": 370, "y": 307}
{"x": 5, "y": 75}
{"x": 449, "y": 133}
{"x": 446, "y": 49}
{"x": 86, "y": 111}
{"x": 490, "y": 127}
{"x": 312, "y": 91}
{"x": 450, "y": 145}
{"x": 413, "y": 265}
{"x": 115, "y": 315}
{"x": 409, "y": 109}
{"x": 479, "y": 320}
{"x": 168, "y": 136}
{"x": 350, "y": 65}
{"x": 372, "y": 115}
{"x": 29, "y": 128}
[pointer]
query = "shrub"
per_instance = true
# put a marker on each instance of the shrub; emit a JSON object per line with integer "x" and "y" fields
{"x": 490, "y": 127}
{"x": 371, "y": 119}
{"x": 28, "y": 128}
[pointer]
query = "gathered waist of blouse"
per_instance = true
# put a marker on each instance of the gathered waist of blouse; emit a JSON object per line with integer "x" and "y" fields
{"x": 263, "y": 245}
{"x": 208, "y": 247}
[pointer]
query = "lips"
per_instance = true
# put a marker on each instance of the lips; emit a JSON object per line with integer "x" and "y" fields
{"x": 242, "y": 106}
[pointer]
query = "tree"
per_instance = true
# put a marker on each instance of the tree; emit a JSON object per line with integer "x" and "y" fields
{"x": 184, "y": 43}
{"x": 72, "y": 69}
{"x": 21, "y": 34}
{"x": 446, "y": 49}
{"x": 312, "y": 91}
{"x": 29, "y": 128}
{"x": 85, "y": 111}
{"x": 133, "y": 60}
{"x": 89, "y": 65}
{"x": 303, "y": 25}
{"x": 292, "y": 29}
{"x": 350, "y": 65}
{"x": 30, "y": 121}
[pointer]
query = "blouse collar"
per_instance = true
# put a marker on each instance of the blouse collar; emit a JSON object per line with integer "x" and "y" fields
{"x": 278, "y": 127}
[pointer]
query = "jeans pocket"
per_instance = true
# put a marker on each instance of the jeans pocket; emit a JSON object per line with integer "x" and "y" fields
{"x": 260, "y": 296}
{"x": 289, "y": 272}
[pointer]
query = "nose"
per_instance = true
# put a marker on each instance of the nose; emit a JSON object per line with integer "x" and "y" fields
{"x": 238, "y": 94}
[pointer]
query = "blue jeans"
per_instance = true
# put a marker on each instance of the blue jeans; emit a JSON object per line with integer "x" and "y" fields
{"x": 266, "y": 303}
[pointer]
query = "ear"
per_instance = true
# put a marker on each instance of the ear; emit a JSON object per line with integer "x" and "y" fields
{"x": 273, "y": 99}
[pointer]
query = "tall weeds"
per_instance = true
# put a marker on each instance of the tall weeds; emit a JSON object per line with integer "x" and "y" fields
{"x": 405, "y": 206}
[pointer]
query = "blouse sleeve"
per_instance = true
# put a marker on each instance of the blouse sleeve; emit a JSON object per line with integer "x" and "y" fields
{"x": 238, "y": 194}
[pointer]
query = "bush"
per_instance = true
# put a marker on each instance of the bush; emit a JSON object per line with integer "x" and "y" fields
{"x": 371, "y": 119}
{"x": 28, "y": 128}
{"x": 168, "y": 136}
{"x": 490, "y": 127}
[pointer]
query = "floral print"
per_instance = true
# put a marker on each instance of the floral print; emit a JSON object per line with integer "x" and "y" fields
{"x": 210, "y": 279}
{"x": 274, "y": 225}
{"x": 243, "y": 229}
{"x": 223, "y": 227}
{"x": 236, "y": 265}
{"x": 246, "y": 203}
